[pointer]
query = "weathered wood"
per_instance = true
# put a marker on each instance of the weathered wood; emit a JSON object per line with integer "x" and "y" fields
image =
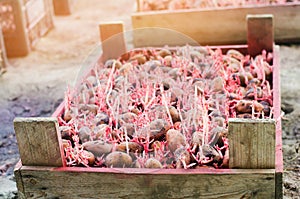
{"x": 260, "y": 34}
{"x": 218, "y": 26}
{"x": 146, "y": 183}
{"x": 252, "y": 143}
{"x": 112, "y": 38}
{"x": 277, "y": 113}
{"x": 39, "y": 141}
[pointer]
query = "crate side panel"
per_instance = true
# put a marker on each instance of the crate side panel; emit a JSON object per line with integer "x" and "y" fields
{"x": 214, "y": 27}
{"x": 117, "y": 185}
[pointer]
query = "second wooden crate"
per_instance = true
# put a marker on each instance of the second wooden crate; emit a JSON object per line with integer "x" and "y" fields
{"x": 214, "y": 26}
{"x": 23, "y": 23}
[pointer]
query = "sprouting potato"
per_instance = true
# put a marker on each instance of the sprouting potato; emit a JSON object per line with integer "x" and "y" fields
{"x": 174, "y": 114}
{"x": 118, "y": 159}
{"x": 90, "y": 156}
{"x": 153, "y": 164}
{"x": 140, "y": 58}
{"x": 168, "y": 60}
{"x": 100, "y": 131}
{"x": 126, "y": 68}
{"x": 235, "y": 54}
{"x": 217, "y": 84}
{"x": 183, "y": 158}
{"x": 158, "y": 128}
{"x": 84, "y": 133}
{"x": 109, "y": 63}
{"x": 98, "y": 147}
{"x": 164, "y": 52}
{"x": 128, "y": 117}
{"x": 175, "y": 139}
{"x": 132, "y": 147}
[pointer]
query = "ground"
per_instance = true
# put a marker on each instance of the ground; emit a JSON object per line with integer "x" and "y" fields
{"x": 34, "y": 85}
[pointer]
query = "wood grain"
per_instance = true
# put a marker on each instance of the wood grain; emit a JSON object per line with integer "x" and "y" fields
{"x": 154, "y": 183}
{"x": 252, "y": 143}
{"x": 39, "y": 141}
{"x": 112, "y": 38}
{"x": 260, "y": 34}
{"x": 218, "y": 26}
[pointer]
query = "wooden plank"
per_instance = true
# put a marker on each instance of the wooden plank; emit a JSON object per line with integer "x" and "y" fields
{"x": 151, "y": 183}
{"x": 18, "y": 177}
{"x": 39, "y": 141}
{"x": 260, "y": 34}
{"x": 252, "y": 143}
{"x": 112, "y": 39}
{"x": 217, "y": 26}
{"x": 277, "y": 113}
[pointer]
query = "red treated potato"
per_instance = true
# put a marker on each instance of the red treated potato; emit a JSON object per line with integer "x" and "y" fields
{"x": 132, "y": 146}
{"x": 153, "y": 164}
{"x": 118, "y": 159}
{"x": 175, "y": 139}
{"x": 98, "y": 147}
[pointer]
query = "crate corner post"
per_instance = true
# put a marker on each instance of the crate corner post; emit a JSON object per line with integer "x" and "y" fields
{"x": 252, "y": 143}
{"x": 260, "y": 33}
{"x": 39, "y": 141}
{"x": 112, "y": 39}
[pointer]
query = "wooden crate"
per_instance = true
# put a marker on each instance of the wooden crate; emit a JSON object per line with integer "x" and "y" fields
{"x": 214, "y": 26}
{"x": 63, "y": 7}
{"x": 24, "y": 23}
{"x": 252, "y": 174}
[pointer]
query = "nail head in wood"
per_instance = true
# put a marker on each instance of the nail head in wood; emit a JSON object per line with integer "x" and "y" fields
{"x": 252, "y": 143}
{"x": 39, "y": 141}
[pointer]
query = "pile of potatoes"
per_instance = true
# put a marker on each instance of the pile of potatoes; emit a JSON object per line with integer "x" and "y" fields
{"x": 163, "y": 108}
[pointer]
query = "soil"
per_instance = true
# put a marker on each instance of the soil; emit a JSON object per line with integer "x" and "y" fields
{"x": 34, "y": 85}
